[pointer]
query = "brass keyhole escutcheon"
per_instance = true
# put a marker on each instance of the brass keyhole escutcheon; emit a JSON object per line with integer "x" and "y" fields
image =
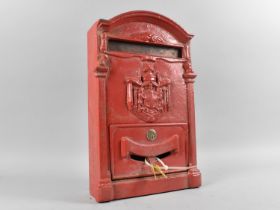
{"x": 151, "y": 135}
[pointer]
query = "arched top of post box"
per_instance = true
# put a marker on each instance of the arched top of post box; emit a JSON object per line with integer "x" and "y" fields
{"x": 145, "y": 26}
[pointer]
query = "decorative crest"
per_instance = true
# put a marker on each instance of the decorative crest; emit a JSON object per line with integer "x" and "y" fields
{"x": 148, "y": 95}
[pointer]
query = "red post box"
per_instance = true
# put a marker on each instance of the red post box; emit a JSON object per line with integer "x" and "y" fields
{"x": 140, "y": 107}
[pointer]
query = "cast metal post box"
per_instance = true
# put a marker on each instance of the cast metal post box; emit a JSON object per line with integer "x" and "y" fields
{"x": 140, "y": 107}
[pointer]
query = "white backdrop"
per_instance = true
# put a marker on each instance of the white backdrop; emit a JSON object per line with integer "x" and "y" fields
{"x": 43, "y": 108}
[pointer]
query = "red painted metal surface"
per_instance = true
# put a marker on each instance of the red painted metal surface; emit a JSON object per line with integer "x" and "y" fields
{"x": 140, "y": 80}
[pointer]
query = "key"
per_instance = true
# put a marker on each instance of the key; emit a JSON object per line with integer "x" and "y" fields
{"x": 157, "y": 168}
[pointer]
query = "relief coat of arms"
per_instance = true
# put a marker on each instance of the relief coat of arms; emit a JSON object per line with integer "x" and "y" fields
{"x": 148, "y": 95}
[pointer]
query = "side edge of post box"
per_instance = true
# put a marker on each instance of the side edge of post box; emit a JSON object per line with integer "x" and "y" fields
{"x": 99, "y": 168}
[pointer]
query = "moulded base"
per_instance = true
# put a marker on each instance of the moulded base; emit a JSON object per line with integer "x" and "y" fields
{"x": 147, "y": 185}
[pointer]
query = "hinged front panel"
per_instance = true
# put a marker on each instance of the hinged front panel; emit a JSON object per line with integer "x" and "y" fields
{"x": 131, "y": 144}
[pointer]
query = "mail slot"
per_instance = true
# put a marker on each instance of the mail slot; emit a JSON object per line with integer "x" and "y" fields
{"x": 140, "y": 107}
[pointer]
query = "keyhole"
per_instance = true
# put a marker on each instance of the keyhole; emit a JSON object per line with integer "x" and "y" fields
{"x": 151, "y": 135}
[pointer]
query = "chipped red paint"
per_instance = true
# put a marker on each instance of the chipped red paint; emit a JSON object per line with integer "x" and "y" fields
{"x": 130, "y": 94}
